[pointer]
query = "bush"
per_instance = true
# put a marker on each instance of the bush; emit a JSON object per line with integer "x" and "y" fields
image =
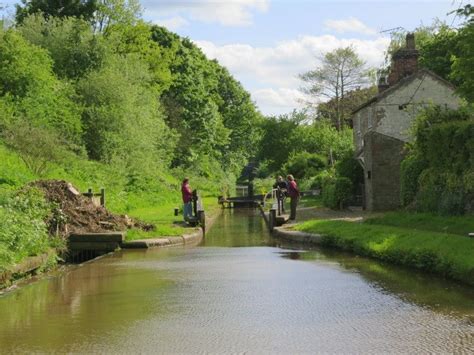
{"x": 23, "y": 231}
{"x": 303, "y": 165}
{"x": 348, "y": 167}
{"x": 411, "y": 169}
{"x": 337, "y": 192}
{"x": 36, "y": 146}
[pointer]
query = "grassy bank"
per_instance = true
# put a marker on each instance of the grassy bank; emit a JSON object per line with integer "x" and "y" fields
{"x": 427, "y": 242}
{"x": 167, "y": 224}
{"x": 151, "y": 199}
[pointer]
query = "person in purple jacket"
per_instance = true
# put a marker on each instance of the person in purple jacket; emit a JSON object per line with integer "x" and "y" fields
{"x": 294, "y": 194}
{"x": 187, "y": 194}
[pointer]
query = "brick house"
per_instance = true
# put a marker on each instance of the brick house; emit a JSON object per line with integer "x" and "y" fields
{"x": 381, "y": 126}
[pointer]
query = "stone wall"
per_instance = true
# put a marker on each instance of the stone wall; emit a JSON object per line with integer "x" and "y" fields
{"x": 383, "y": 156}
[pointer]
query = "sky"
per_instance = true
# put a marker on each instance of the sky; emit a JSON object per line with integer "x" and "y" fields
{"x": 265, "y": 44}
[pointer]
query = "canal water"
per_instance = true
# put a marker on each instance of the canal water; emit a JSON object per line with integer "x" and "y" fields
{"x": 238, "y": 292}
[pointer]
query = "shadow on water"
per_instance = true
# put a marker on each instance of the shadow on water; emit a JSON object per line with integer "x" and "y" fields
{"x": 416, "y": 287}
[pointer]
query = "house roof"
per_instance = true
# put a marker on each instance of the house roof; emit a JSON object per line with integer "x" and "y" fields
{"x": 403, "y": 82}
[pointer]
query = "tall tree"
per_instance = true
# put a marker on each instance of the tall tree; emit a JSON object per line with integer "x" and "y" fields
{"x": 340, "y": 71}
{"x": 463, "y": 66}
{"x": 110, "y": 12}
{"x": 58, "y": 8}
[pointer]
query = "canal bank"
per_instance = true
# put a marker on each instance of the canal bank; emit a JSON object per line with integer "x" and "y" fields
{"x": 240, "y": 290}
{"x": 92, "y": 245}
{"x": 434, "y": 244}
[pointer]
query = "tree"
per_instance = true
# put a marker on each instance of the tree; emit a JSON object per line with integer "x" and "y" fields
{"x": 340, "y": 72}
{"x": 72, "y": 45}
{"x": 59, "y": 8}
{"x": 352, "y": 100}
{"x": 122, "y": 119}
{"x": 28, "y": 85}
{"x": 437, "y": 45}
{"x": 110, "y": 12}
{"x": 36, "y": 146}
{"x": 463, "y": 66}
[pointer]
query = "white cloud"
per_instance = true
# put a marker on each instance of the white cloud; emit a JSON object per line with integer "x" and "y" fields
{"x": 224, "y": 12}
{"x": 351, "y": 25}
{"x": 271, "y": 73}
{"x": 173, "y": 23}
{"x": 280, "y": 97}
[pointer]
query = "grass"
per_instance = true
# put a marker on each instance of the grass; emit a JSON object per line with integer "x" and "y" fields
{"x": 151, "y": 200}
{"x": 311, "y": 201}
{"x": 405, "y": 239}
{"x": 461, "y": 225}
{"x": 164, "y": 219}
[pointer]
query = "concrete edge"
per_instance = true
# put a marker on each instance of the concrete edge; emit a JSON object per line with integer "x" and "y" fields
{"x": 185, "y": 239}
{"x": 297, "y": 236}
{"x": 27, "y": 266}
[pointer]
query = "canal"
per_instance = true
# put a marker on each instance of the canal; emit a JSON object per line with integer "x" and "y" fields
{"x": 240, "y": 291}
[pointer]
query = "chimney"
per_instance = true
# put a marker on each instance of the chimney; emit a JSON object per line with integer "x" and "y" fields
{"x": 404, "y": 61}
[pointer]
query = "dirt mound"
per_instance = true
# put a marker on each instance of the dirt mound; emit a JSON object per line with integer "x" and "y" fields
{"x": 75, "y": 213}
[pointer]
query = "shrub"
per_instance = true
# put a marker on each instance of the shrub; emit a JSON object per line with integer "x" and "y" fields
{"x": 411, "y": 169}
{"x": 23, "y": 231}
{"x": 303, "y": 165}
{"x": 36, "y": 146}
{"x": 337, "y": 192}
{"x": 348, "y": 167}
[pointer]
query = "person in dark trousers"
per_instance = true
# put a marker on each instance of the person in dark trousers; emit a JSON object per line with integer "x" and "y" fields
{"x": 282, "y": 187}
{"x": 294, "y": 194}
{"x": 187, "y": 195}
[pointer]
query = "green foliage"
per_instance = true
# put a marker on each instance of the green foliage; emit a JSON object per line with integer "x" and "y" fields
{"x": 411, "y": 168}
{"x": 303, "y": 164}
{"x": 438, "y": 50}
{"x": 36, "y": 146}
{"x": 23, "y": 231}
{"x": 337, "y": 192}
{"x": 463, "y": 66}
{"x": 437, "y": 174}
{"x": 31, "y": 92}
{"x": 350, "y": 168}
{"x": 277, "y": 141}
{"x": 65, "y": 8}
{"x": 288, "y": 135}
{"x": 72, "y": 46}
{"x": 111, "y": 101}
{"x": 112, "y": 12}
{"x": 109, "y": 134}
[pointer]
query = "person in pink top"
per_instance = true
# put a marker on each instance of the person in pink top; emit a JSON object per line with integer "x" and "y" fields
{"x": 294, "y": 194}
{"x": 187, "y": 194}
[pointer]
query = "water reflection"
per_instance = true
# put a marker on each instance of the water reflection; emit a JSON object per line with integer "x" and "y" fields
{"x": 240, "y": 291}
{"x": 416, "y": 287}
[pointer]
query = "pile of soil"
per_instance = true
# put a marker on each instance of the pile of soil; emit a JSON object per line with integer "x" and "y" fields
{"x": 75, "y": 213}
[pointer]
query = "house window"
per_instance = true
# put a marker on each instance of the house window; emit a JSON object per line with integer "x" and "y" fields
{"x": 369, "y": 175}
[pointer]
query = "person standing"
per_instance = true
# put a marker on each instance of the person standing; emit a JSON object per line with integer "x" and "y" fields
{"x": 282, "y": 188}
{"x": 294, "y": 194}
{"x": 187, "y": 195}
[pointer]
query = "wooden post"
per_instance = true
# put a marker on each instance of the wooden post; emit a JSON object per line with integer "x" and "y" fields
{"x": 195, "y": 198}
{"x": 272, "y": 219}
{"x": 102, "y": 197}
{"x": 279, "y": 200}
{"x": 202, "y": 220}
